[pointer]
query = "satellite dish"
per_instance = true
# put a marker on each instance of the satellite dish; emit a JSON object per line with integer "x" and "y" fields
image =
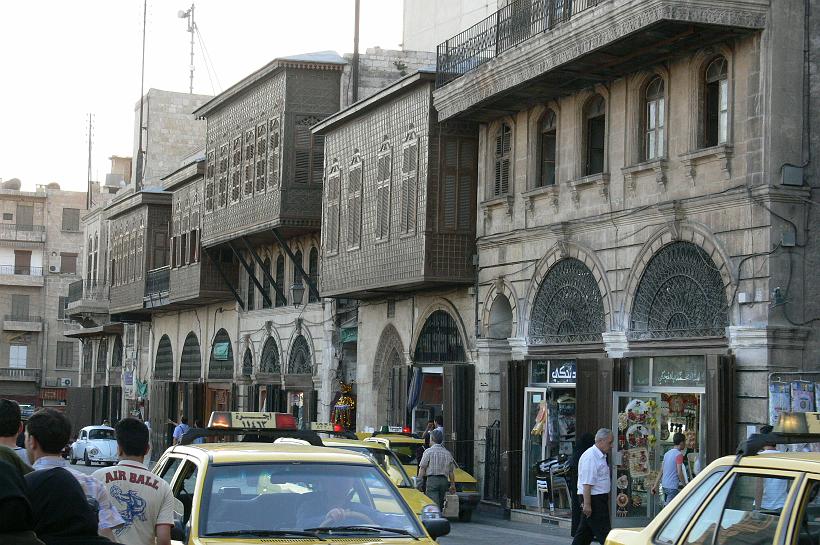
{"x": 181, "y": 14}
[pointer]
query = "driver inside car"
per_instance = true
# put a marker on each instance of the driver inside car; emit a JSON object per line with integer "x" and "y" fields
{"x": 334, "y": 506}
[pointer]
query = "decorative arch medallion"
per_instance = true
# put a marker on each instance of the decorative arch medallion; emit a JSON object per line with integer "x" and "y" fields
{"x": 299, "y": 361}
{"x": 190, "y": 368}
{"x": 247, "y": 363}
{"x": 220, "y": 365}
{"x": 270, "y": 358}
{"x": 164, "y": 361}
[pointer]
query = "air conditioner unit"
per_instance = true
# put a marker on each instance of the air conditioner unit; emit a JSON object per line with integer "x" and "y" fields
{"x": 54, "y": 268}
{"x": 65, "y": 382}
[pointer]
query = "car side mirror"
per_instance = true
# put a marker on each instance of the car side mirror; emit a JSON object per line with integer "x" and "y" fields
{"x": 437, "y": 527}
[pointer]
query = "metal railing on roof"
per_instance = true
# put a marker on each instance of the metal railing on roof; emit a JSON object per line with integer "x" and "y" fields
{"x": 508, "y": 27}
{"x": 21, "y": 318}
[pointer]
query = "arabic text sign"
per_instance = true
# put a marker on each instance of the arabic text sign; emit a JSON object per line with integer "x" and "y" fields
{"x": 561, "y": 372}
{"x": 253, "y": 420}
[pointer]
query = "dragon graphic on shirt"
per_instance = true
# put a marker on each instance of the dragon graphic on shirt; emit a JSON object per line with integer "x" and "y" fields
{"x": 134, "y": 507}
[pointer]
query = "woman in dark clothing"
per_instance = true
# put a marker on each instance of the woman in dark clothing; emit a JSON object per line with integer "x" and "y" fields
{"x": 584, "y": 442}
{"x": 16, "y": 518}
{"x": 62, "y": 513}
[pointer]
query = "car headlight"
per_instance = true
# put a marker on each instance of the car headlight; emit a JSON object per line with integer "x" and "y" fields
{"x": 430, "y": 512}
{"x": 93, "y": 452}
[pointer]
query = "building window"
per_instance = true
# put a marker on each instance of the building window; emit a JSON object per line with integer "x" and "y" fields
{"x": 409, "y": 174}
{"x": 65, "y": 354}
{"x": 94, "y": 261}
{"x": 547, "y": 149}
{"x": 62, "y": 304}
{"x": 313, "y": 273}
{"x": 71, "y": 219}
{"x": 223, "y": 176}
{"x": 273, "y": 153}
{"x": 595, "y": 135}
{"x": 183, "y": 246}
{"x": 280, "y": 281}
{"x": 503, "y": 147}
{"x": 8, "y": 216}
{"x": 354, "y": 203}
{"x": 266, "y": 283}
{"x": 261, "y": 157}
{"x": 248, "y": 173}
{"x": 332, "y": 227}
{"x": 251, "y": 288}
{"x": 236, "y": 168}
{"x": 308, "y": 151}
{"x": 193, "y": 245}
{"x": 19, "y": 307}
{"x": 18, "y": 355}
{"x": 68, "y": 263}
{"x": 716, "y": 103}
{"x": 210, "y": 167}
{"x": 297, "y": 264}
{"x": 654, "y": 120}
{"x": 384, "y": 169}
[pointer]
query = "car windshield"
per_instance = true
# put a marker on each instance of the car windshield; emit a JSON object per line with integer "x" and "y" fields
{"x": 387, "y": 460}
{"x": 269, "y": 498}
{"x": 101, "y": 434}
{"x": 407, "y": 452}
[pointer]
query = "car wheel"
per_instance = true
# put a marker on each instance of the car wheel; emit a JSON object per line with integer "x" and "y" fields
{"x": 465, "y": 515}
{"x": 71, "y": 459}
{"x": 86, "y": 460}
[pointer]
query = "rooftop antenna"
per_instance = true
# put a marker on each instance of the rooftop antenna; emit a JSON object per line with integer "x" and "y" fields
{"x": 191, "y": 28}
{"x": 140, "y": 158}
{"x": 89, "y": 200}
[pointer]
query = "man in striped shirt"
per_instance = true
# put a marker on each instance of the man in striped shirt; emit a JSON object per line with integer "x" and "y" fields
{"x": 438, "y": 466}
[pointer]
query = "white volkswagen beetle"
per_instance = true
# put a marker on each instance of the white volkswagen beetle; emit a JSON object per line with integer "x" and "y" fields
{"x": 94, "y": 444}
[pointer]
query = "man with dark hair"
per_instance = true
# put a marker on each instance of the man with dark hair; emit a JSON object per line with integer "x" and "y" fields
{"x": 11, "y": 425}
{"x": 181, "y": 429}
{"x": 672, "y": 476}
{"x": 438, "y": 465}
{"x": 47, "y": 432}
{"x": 145, "y": 501}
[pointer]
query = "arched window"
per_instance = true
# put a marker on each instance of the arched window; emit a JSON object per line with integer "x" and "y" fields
{"x": 313, "y": 272}
{"x": 299, "y": 362}
{"x": 164, "y": 360}
{"x": 116, "y": 355}
{"x": 251, "y": 288}
{"x": 88, "y": 356}
{"x": 716, "y": 103}
{"x": 501, "y": 319}
{"x": 220, "y": 365}
{"x": 191, "y": 363}
{"x": 270, "y": 358}
{"x": 280, "y": 281}
{"x": 247, "y": 363}
{"x": 102, "y": 356}
{"x": 503, "y": 147}
{"x": 547, "y": 149}
{"x": 654, "y": 119}
{"x": 297, "y": 276}
{"x": 440, "y": 340}
{"x": 266, "y": 282}
{"x": 595, "y": 135}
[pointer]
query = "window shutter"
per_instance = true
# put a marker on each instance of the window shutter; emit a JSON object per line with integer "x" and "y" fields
{"x": 354, "y": 206}
{"x": 318, "y": 159}
{"x": 273, "y": 153}
{"x": 467, "y": 161}
{"x": 449, "y": 182}
{"x": 408, "y": 196}
{"x": 261, "y": 157}
{"x": 383, "y": 196}
{"x": 332, "y": 225}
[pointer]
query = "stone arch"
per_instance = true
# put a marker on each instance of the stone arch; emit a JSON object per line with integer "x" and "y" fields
{"x": 500, "y": 289}
{"x": 448, "y": 308}
{"x": 300, "y": 357}
{"x": 569, "y": 250}
{"x": 389, "y": 355}
{"x": 164, "y": 360}
{"x": 270, "y": 361}
{"x": 247, "y": 362}
{"x": 190, "y": 367}
{"x": 440, "y": 340}
{"x": 220, "y": 363}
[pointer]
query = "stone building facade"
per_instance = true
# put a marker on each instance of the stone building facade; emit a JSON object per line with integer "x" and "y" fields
{"x": 641, "y": 206}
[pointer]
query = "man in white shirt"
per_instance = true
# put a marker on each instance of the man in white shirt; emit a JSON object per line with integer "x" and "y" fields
{"x": 594, "y": 483}
{"x": 772, "y": 497}
{"x": 11, "y": 424}
{"x": 144, "y": 500}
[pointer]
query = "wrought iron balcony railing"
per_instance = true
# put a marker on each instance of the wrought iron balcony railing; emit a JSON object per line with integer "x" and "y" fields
{"x": 158, "y": 281}
{"x": 14, "y": 269}
{"x": 19, "y": 373}
{"x": 513, "y": 24}
{"x": 21, "y": 318}
{"x": 14, "y": 231}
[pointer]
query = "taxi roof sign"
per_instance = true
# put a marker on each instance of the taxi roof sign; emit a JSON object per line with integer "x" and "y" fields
{"x": 322, "y": 426}
{"x": 798, "y": 423}
{"x": 252, "y": 421}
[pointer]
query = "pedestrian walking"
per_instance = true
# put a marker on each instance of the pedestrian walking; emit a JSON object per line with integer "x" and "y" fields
{"x": 181, "y": 429}
{"x": 11, "y": 425}
{"x": 63, "y": 514}
{"x": 16, "y": 518}
{"x": 431, "y": 425}
{"x": 145, "y": 501}
{"x": 594, "y": 483}
{"x": 581, "y": 445}
{"x": 438, "y": 466}
{"x": 671, "y": 478}
{"x": 47, "y": 432}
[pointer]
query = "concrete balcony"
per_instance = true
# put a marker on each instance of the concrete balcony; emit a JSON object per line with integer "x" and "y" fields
{"x": 86, "y": 299}
{"x": 12, "y": 232}
{"x": 533, "y": 51}
{"x": 17, "y": 374}
{"x": 13, "y": 322}
{"x": 11, "y": 275}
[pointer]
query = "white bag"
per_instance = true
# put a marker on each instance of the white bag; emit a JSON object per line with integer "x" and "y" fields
{"x": 450, "y": 506}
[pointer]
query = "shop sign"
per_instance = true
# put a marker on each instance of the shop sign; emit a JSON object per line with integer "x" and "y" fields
{"x": 561, "y": 372}
{"x": 128, "y": 389}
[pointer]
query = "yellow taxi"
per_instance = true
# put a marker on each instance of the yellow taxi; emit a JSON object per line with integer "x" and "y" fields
{"x": 261, "y": 492}
{"x": 752, "y": 498}
{"x": 408, "y": 448}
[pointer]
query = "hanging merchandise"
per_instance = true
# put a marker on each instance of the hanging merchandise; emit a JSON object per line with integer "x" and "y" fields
{"x": 540, "y": 419}
{"x": 779, "y": 400}
{"x": 345, "y": 407}
{"x": 802, "y": 394}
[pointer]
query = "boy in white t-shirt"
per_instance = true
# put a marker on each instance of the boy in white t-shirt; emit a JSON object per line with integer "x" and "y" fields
{"x": 144, "y": 500}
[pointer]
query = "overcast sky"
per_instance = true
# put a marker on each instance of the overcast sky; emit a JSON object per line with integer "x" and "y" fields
{"x": 61, "y": 60}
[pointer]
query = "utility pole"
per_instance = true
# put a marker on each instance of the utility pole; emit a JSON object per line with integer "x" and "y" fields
{"x": 88, "y": 198}
{"x": 354, "y": 71}
{"x": 140, "y": 158}
{"x": 191, "y": 28}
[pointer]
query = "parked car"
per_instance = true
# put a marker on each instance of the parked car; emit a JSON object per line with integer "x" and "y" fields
{"x": 94, "y": 444}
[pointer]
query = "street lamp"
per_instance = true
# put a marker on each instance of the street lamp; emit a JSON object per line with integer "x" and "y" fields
{"x": 297, "y": 292}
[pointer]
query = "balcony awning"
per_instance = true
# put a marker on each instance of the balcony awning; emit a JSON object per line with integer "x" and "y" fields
{"x": 114, "y": 328}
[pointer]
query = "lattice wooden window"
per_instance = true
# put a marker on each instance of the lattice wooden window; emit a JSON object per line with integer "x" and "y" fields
{"x": 266, "y": 282}
{"x": 332, "y": 222}
{"x": 222, "y": 189}
{"x": 384, "y": 170}
{"x": 503, "y": 147}
{"x": 248, "y": 177}
{"x": 261, "y": 156}
{"x": 140, "y": 246}
{"x": 297, "y": 276}
{"x": 280, "y": 281}
{"x": 251, "y": 300}
{"x": 210, "y": 164}
{"x": 308, "y": 151}
{"x": 313, "y": 273}
{"x": 273, "y": 153}
{"x": 458, "y": 180}
{"x": 236, "y": 168}
{"x": 354, "y": 203}
{"x": 409, "y": 175}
